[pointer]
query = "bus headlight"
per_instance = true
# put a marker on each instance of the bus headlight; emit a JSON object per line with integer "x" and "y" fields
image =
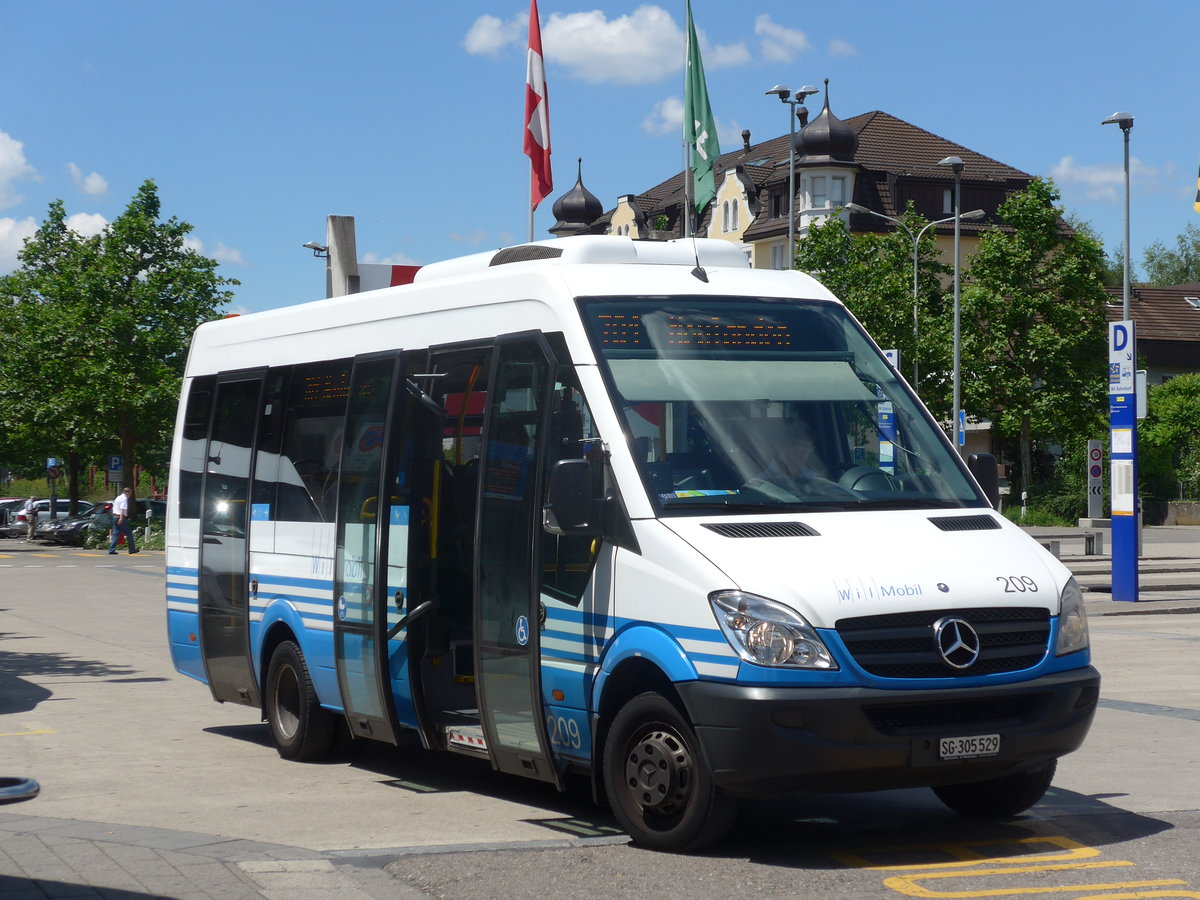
{"x": 768, "y": 633}
{"x": 1072, "y": 621}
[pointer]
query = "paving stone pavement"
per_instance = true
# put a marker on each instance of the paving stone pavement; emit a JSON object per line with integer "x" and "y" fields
{"x": 58, "y": 858}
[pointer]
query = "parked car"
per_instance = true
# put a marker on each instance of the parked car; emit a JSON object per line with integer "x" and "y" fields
{"x": 8, "y": 507}
{"x": 17, "y": 524}
{"x": 75, "y": 530}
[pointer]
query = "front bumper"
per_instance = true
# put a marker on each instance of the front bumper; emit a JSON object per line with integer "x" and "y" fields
{"x": 765, "y": 740}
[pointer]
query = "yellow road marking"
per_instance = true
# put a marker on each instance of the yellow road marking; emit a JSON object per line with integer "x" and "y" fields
{"x": 966, "y": 861}
{"x": 907, "y": 884}
{"x": 970, "y": 857}
{"x": 26, "y": 733}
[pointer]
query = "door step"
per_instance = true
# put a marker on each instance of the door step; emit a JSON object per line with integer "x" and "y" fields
{"x": 466, "y": 739}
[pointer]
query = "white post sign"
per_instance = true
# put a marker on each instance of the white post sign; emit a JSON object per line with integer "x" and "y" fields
{"x": 1095, "y": 479}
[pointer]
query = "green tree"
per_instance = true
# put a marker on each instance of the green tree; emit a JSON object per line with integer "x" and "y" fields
{"x": 872, "y": 274}
{"x": 1166, "y": 267}
{"x": 94, "y": 333}
{"x": 1034, "y": 333}
{"x": 1168, "y": 454}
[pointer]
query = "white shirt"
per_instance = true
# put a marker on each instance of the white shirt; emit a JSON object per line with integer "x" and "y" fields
{"x": 120, "y": 505}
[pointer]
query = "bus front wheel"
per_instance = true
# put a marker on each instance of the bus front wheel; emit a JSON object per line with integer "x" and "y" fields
{"x": 660, "y": 789}
{"x": 998, "y": 798}
{"x": 301, "y": 728}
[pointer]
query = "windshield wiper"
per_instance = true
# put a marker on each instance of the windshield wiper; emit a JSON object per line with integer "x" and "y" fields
{"x": 683, "y": 505}
{"x": 910, "y": 503}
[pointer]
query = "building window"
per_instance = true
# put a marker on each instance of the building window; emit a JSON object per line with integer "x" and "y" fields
{"x": 735, "y": 216}
{"x": 779, "y": 256}
{"x": 820, "y": 197}
{"x": 725, "y": 216}
{"x": 838, "y": 192}
{"x": 948, "y": 201}
{"x": 777, "y": 208}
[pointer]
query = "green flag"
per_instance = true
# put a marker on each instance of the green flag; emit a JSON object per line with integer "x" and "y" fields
{"x": 699, "y": 129}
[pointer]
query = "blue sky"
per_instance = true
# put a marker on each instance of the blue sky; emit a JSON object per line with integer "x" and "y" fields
{"x": 258, "y": 118}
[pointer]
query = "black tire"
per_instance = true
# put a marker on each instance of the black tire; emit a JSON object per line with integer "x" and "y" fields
{"x": 659, "y": 786}
{"x": 301, "y": 728}
{"x": 1000, "y": 797}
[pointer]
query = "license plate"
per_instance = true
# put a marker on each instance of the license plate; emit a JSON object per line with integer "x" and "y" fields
{"x": 968, "y": 747}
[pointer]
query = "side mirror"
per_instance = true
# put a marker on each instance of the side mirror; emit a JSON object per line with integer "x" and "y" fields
{"x": 983, "y": 466}
{"x": 570, "y": 508}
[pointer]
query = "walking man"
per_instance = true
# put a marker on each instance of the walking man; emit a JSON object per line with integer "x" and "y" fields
{"x": 120, "y": 511}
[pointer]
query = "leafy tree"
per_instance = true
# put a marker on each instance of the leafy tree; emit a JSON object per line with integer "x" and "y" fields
{"x": 1165, "y": 267}
{"x": 872, "y": 274}
{"x": 1167, "y": 449}
{"x": 94, "y": 333}
{"x": 1034, "y": 333}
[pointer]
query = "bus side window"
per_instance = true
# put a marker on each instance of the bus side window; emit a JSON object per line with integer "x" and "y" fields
{"x": 567, "y": 560}
{"x": 308, "y": 456}
{"x": 195, "y": 439}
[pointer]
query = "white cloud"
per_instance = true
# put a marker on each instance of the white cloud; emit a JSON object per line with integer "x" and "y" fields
{"x": 488, "y": 35}
{"x": 471, "y": 238}
{"x": 220, "y": 252}
{"x": 667, "y": 117}
{"x": 1104, "y": 182}
{"x": 86, "y": 224}
{"x": 643, "y": 47}
{"x": 780, "y": 44}
{"x": 838, "y": 47}
{"x": 13, "y": 167}
{"x": 392, "y": 259}
{"x": 92, "y": 185}
{"x": 13, "y": 233}
{"x": 231, "y": 255}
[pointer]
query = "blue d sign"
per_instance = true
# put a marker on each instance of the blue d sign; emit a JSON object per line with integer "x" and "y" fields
{"x": 1120, "y": 337}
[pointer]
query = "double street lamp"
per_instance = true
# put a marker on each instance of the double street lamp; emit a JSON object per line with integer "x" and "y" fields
{"x": 785, "y": 95}
{"x": 916, "y": 242}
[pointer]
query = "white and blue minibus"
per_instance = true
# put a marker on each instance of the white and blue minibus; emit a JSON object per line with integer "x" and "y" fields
{"x": 624, "y": 509}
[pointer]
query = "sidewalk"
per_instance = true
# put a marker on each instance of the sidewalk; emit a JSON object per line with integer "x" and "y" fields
{"x": 1168, "y": 570}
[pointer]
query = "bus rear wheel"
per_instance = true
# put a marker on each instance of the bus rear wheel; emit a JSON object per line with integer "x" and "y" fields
{"x": 661, "y": 791}
{"x": 300, "y": 727}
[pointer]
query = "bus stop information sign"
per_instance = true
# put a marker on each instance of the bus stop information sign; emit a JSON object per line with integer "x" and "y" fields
{"x": 1122, "y": 420}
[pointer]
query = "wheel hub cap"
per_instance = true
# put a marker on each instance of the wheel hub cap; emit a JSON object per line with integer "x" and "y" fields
{"x": 658, "y": 772}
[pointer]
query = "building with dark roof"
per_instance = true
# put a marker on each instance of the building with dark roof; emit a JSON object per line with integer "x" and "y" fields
{"x": 1168, "y": 327}
{"x": 874, "y": 159}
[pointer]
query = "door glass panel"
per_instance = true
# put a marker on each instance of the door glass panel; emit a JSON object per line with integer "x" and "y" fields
{"x": 509, "y": 509}
{"x": 359, "y": 508}
{"x": 224, "y": 524}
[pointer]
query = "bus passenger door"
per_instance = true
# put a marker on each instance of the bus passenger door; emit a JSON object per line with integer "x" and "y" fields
{"x": 361, "y": 585}
{"x": 508, "y": 580}
{"x": 224, "y": 532}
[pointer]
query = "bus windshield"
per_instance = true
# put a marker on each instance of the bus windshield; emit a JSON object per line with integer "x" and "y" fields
{"x": 768, "y": 404}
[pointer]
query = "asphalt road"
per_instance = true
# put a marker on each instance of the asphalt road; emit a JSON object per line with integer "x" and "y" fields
{"x": 142, "y": 773}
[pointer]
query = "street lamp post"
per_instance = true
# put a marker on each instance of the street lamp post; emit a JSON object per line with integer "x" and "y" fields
{"x": 785, "y": 95}
{"x": 956, "y": 165}
{"x": 916, "y": 242}
{"x": 1125, "y": 121}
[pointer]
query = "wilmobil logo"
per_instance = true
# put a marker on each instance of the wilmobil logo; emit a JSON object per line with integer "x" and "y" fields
{"x": 864, "y": 590}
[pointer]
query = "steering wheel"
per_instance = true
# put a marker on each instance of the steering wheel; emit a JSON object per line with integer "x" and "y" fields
{"x": 867, "y": 478}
